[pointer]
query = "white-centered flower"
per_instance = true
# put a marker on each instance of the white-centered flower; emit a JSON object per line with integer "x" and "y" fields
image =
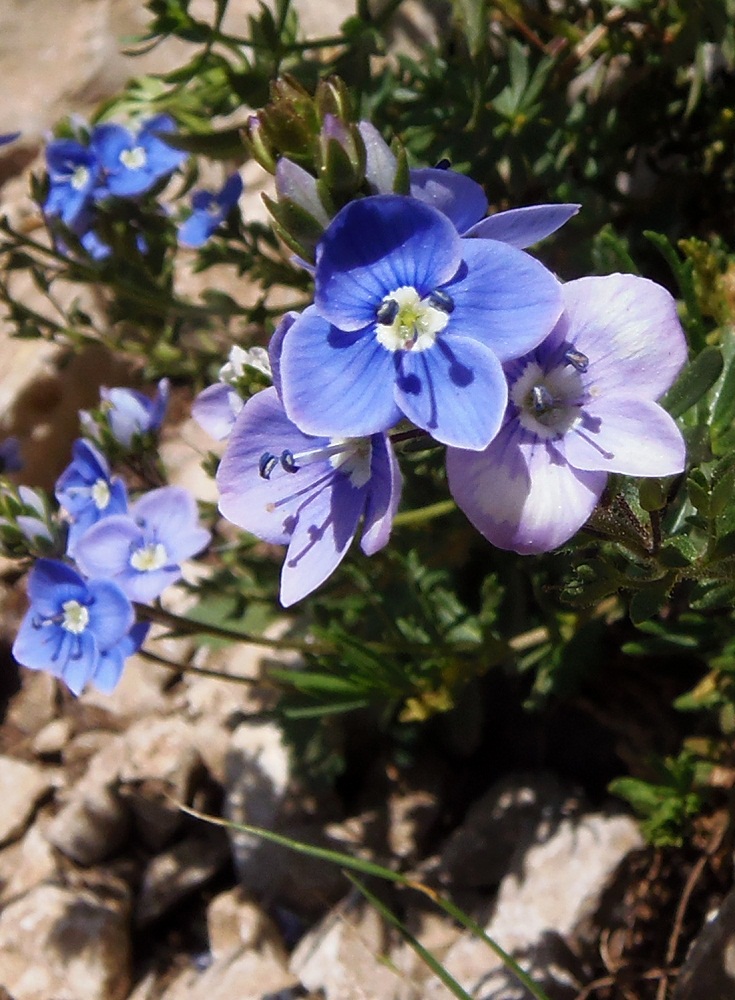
{"x": 149, "y": 557}
{"x": 80, "y": 178}
{"x": 548, "y": 402}
{"x": 407, "y": 322}
{"x": 101, "y": 494}
{"x": 134, "y": 159}
{"x": 76, "y": 617}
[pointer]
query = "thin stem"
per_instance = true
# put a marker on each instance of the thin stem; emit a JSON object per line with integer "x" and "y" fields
{"x": 190, "y": 626}
{"x": 423, "y": 514}
{"x": 188, "y": 668}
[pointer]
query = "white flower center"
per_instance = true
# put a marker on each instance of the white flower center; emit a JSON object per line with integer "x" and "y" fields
{"x": 76, "y": 617}
{"x": 353, "y": 459}
{"x": 101, "y": 494}
{"x": 406, "y": 322}
{"x": 548, "y": 402}
{"x": 149, "y": 557}
{"x": 134, "y": 158}
{"x": 80, "y": 178}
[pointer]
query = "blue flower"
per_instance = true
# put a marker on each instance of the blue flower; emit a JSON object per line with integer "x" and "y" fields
{"x": 87, "y": 491}
{"x": 306, "y": 492}
{"x": 142, "y": 551}
{"x": 412, "y": 320}
{"x": 131, "y": 413}
{"x": 210, "y": 209}
{"x": 11, "y": 459}
{"x": 134, "y": 162}
{"x": 581, "y": 405}
{"x": 74, "y": 173}
{"x": 74, "y": 628}
{"x": 461, "y": 199}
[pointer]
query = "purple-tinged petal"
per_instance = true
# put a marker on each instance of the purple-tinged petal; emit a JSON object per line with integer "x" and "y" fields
{"x": 383, "y": 497}
{"x": 171, "y": 514}
{"x": 275, "y": 346}
{"x": 522, "y": 227}
{"x": 456, "y": 391}
{"x": 51, "y": 583}
{"x": 297, "y": 185}
{"x": 505, "y": 299}
{"x": 625, "y": 434}
{"x": 216, "y": 408}
{"x": 260, "y": 505}
{"x": 104, "y": 550}
{"x": 373, "y": 247}
{"x": 629, "y": 329}
{"x": 324, "y": 529}
{"x": 461, "y": 199}
{"x": 380, "y": 163}
{"x": 335, "y": 383}
{"x": 521, "y": 494}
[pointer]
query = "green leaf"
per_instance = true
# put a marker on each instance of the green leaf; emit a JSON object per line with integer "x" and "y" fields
{"x": 225, "y": 144}
{"x": 647, "y": 603}
{"x": 696, "y": 379}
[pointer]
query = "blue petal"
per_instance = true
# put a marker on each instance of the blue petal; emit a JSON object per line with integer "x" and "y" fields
{"x": 336, "y": 384}
{"x": 384, "y": 494}
{"x": 111, "y": 615}
{"x": 456, "y": 391}
{"x": 80, "y": 661}
{"x": 376, "y": 245}
{"x": 520, "y": 493}
{"x": 380, "y": 163}
{"x": 196, "y": 230}
{"x": 460, "y": 198}
{"x": 522, "y": 227}
{"x": 51, "y": 583}
{"x": 104, "y": 550}
{"x": 215, "y": 410}
{"x": 170, "y": 513}
{"x": 265, "y": 507}
{"x": 324, "y": 529}
{"x": 505, "y": 298}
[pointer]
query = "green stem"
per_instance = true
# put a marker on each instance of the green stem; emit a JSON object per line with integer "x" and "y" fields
{"x": 189, "y": 626}
{"x": 188, "y": 668}
{"x": 423, "y": 514}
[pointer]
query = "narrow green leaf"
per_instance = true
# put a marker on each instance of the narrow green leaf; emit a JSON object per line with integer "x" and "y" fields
{"x": 697, "y": 378}
{"x": 436, "y": 967}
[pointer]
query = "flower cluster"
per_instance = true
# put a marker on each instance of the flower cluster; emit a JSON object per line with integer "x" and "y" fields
{"x": 81, "y": 622}
{"x": 428, "y": 313}
{"x": 114, "y": 163}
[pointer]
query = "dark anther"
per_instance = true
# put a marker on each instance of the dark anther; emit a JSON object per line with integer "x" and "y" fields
{"x": 287, "y": 462}
{"x": 542, "y": 399}
{"x": 578, "y": 361}
{"x": 387, "y": 312}
{"x": 266, "y": 465}
{"x": 441, "y": 300}
{"x": 443, "y": 164}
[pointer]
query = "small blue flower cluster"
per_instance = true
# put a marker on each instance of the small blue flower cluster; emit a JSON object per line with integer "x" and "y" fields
{"x": 428, "y": 312}
{"x": 115, "y": 163}
{"x": 81, "y": 622}
{"x": 118, "y": 163}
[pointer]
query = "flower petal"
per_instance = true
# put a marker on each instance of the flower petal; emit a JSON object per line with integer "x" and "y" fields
{"x": 324, "y": 529}
{"x": 51, "y": 583}
{"x": 505, "y": 298}
{"x": 384, "y": 494}
{"x": 456, "y": 391}
{"x": 458, "y": 197}
{"x": 104, "y": 550}
{"x": 520, "y": 493}
{"x": 253, "y": 503}
{"x": 380, "y": 162}
{"x": 171, "y": 512}
{"x": 215, "y": 409}
{"x": 336, "y": 384}
{"x": 376, "y": 245}
{"x": 522, "y": 227}
{"x": 625, "y": 434}
{"x": 111, "y": 615}
{"x": 629, "y": 329}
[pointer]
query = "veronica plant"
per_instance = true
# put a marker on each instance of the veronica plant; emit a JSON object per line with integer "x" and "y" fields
{"x": 88, "y": 491}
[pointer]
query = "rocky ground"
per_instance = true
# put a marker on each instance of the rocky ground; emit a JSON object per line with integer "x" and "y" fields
{"x": 109, "y": 891}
